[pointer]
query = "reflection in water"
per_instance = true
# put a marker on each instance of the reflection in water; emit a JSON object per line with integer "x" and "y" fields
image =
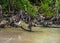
{"x": 16, "y": 35}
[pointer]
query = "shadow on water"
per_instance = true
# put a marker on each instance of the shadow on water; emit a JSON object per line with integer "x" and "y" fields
{"x": 17, "y": 35}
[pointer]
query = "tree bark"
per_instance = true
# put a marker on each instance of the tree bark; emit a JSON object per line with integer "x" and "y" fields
{"x": 0, "y": 11}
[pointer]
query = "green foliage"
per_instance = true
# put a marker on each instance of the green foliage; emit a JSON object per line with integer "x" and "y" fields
{"x": 46, "y": 8}
{"x": 26, "y": 6}
{"x": 4, "y": 4}
{"x": 32, "y": 10}
{"x": 21, "y": 5}
{"x": 58, "y": 5}
{"x": 47, "y": 1}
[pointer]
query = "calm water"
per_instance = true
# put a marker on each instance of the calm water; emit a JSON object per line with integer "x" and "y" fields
{"x": 41, "y": 35}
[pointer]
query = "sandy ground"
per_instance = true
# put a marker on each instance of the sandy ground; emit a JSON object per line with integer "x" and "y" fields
{"x": 41, "y": 35}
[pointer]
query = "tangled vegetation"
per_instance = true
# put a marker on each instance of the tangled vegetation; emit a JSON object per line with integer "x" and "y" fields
{"x": 47, "y": 7}
{"x": 36, "y": 11}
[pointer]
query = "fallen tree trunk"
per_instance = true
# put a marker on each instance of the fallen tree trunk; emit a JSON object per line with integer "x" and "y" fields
{"x": 54, "y": 26}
